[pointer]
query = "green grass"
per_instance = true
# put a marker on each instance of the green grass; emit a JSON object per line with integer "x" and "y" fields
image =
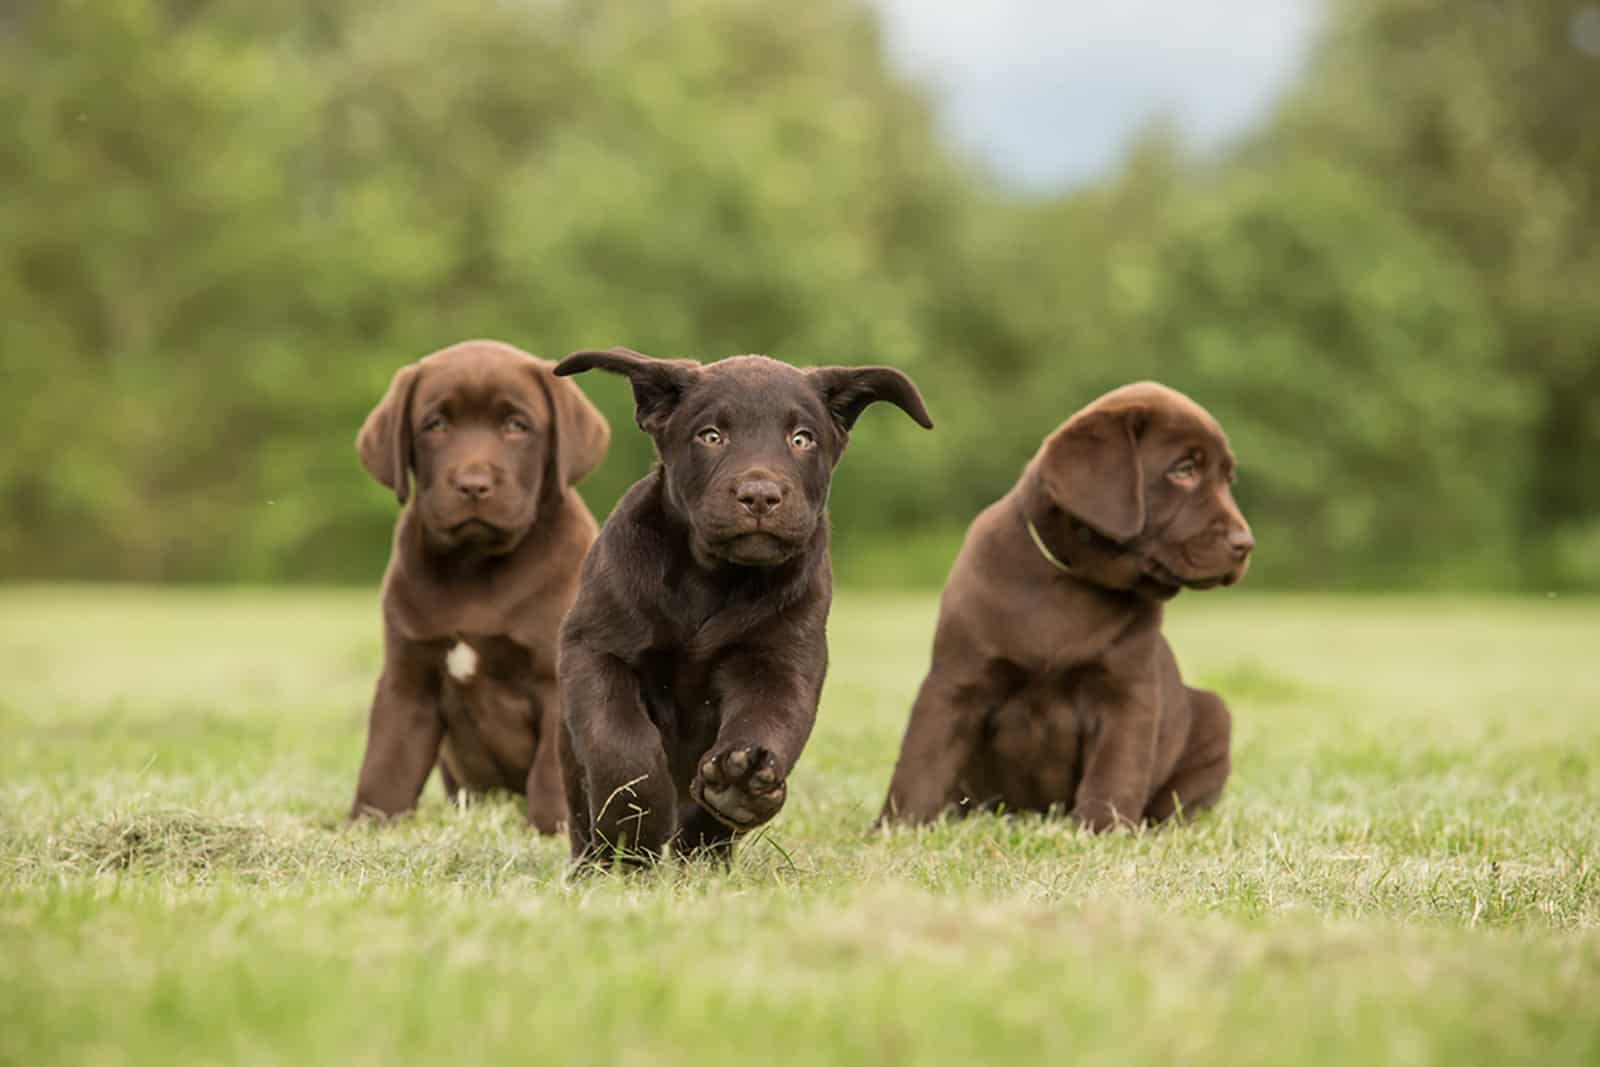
{"x": 1404, "y": 869}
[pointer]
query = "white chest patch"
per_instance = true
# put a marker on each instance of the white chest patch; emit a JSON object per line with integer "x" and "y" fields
{"x": 462, "y": 662}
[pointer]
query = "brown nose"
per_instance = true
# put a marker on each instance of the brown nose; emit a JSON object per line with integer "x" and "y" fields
{"x": 1241, "y": 542}
{"x": 759, "y": 495}
{"x": 474, "y": 483}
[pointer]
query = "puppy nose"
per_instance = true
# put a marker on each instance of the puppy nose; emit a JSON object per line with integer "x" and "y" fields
{"x": 1241, "y": 542}
{"x": 759, "y": 495}
{"x": 474, "y": 484}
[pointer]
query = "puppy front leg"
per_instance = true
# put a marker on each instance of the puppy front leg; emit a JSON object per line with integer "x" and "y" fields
{"x": 612, "y": 758}
{"x": 1117, "y": 773}
{"x": 945, "y": 728}
{"x": 941, "y": 738}
{"x": 768, "y": 711}
{"x": 547, "y": 801}
{"x": 403, "y": 734}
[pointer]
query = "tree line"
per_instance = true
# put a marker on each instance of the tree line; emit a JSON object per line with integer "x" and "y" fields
{"x": 226, "y": 223}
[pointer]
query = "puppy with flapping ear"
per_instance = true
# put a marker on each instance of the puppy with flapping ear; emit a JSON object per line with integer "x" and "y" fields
{"x": 1052, "y": 687}
{"x": 692, "y": 663}
{"x": 486, "y": 444}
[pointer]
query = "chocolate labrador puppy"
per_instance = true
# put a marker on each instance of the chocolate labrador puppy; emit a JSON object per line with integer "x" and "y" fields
{"x": 692, "y": 662}
{"x": 1052, "y": 686}
{"x": 484, "y": 565}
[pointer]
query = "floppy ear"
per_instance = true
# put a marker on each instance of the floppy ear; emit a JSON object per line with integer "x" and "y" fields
{"x": 658, "y": 384}
{"x": 579, "y": 434}
{"x": 848, "y": 390}
{"x": 1090, "y": 467}
{"x": 384, "y": 442}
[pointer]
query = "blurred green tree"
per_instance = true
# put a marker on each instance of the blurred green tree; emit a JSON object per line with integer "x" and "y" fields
{"x": 227, "y": 223}
{"x": 1356, "y": 366}
{"x": 1478, "y": 121}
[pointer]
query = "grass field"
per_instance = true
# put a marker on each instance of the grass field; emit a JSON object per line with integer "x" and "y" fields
{"x": 1404, "y": 869}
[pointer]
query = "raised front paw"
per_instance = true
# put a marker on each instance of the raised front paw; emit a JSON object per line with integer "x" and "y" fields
{"x": 742, "y": 787}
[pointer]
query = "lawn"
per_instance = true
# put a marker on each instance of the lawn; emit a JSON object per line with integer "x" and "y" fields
{"x": 1404, "y": 868}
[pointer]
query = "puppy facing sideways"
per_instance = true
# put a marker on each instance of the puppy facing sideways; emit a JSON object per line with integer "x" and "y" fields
{"x": 692, "y": 662}
{"x": 1052, "y": 687}
{"x": 484, "y": 565}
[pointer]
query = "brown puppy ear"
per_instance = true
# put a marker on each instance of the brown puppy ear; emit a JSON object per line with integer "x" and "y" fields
{"x": 848, "y": 390}
{"x": 579, "y": 434}
{"x": 384, "y": 442}
{"x": 658, "y": 384}
{"x": 1090, "y": 467}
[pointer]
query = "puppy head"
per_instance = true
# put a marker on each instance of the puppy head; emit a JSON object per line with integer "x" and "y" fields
{"x": 1148, "y": 471}
{"x": 748, "y": 445}
{"x": 489, "y": 434}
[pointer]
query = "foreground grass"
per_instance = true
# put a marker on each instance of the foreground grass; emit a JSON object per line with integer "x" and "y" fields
{"x": 1404, "y": 869}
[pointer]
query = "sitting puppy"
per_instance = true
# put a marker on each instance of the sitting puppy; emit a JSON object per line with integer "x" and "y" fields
{"x": 484, "y": 565}
{"x": 1052, "y": 687}
{"x": 692, "y": 662}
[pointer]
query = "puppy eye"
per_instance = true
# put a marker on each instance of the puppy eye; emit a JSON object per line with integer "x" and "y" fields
{"x": 435, "y": 424}
{"x": 709, "y": 436}
{"x": 803, "y": 440}
{"x": 1184, "y": 470}
{"x": 517, "y": 424}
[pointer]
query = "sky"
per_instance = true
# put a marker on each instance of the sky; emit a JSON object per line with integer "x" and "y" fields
{"x": 1047, "y": 93}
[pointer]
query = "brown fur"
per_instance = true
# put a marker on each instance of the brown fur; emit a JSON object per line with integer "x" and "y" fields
{"x": 1052, "y": 687}
{"x": 486, "y": 555}
{"x": 692, "y": 662}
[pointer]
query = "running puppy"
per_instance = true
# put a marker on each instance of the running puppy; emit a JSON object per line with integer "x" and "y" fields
{"x": 1052, "y": 687}
{"x": 692, "y": 662}
{"x": 484, "y": 565}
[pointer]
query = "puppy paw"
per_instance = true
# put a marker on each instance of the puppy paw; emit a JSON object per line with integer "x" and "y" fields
{"x": 742, "y": 787}
{"x": 547, "y": 814}
{"x": 1103, "y": 816}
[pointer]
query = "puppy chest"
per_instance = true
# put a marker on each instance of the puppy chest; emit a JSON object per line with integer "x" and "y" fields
{"x": 471, "y": 660}
{"x": 679, "y": 697}
{"x": 1038, "y": 725}
{"x": 1036, "y": 744}
{"x": 489, "y": 682}
{"x": 489, "y": 698}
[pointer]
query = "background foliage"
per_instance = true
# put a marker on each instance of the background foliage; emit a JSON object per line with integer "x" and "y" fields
{"x": 226, "y": 223}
